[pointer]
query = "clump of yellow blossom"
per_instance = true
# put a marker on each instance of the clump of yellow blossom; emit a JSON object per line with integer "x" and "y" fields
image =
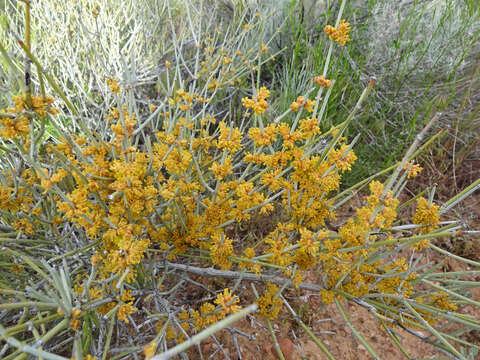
{"x": 339, "y": 34}
{"x": 230, "y": 138}
{"x": 443, "y": 301}
{"x": 17, "y": 124}
{"x": 76, "y": 313}
{"x": 228, "y": 302}
{"x": 127, "y": 307}
{"x": 322, "y": 81}
{"x": 205, "y": 316}
{"x": 264, "y": 137}
{"x": 222, "y": 170}
{"x": 75, "y": 324}
{"x": 269, "y": 305}
{"x": 149, "y": 350}
{"x": 249, "y": 253}
{"x": 14, "y": 127}
{"x": 258, "y": 104}
{"x": 221, "y": 250}
{"x": 40, "y": 105}
{"x": 301, "y": 101}
{"x": 88, "y": 357}
{"x": 342, "y": 157}
{"x": 125, "y": 310}
{"x": 113, "y": 85}
{"x": 306, "y": 254}
{"x": 24, "y": 226}
{"x": 426, "y": 215}
{"x": 328, "y": 296}
{"x": 413, "y": 169}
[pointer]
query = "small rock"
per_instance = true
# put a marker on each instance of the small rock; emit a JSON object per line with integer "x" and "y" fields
{"x": 269, "y": 349}
{"x": 288, "y": 349}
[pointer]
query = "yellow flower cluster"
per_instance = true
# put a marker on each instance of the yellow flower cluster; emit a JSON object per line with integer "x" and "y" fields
{"x": 17, "y": 199}
{"x": 230, "y": 138}
{"x": 426, "y": 215}
{"x": 228, "y": 302}
{"x": 307, "y": 253}
{"x": 339, "y": 34}
{"x": 182, "y": 191}
{"x": 14, "y": 127}
{"x": 124, "y": 310}
{"x": 413, "y": 169}
{"x": 270, "y": 304}
{"x": 221, "y": 250}
{"x": 88, "y": 357}
{"x": 301, "y": 101}
{"x": 264, "y": 137}
{"x": 18, "y": 124}
{"x": 149, "y": 350}
{"x": 184, "y": 100}
{"x": 76, "y": 323}
{"x": 342, "y": 157}
{"x": 222, "y": 170}
{"x": 113, "y": 85}
{"x": 249, "y": 253}
{"x": 346, "y": 269}
{"x": 258, "y": 104}
{"x": 24, "y": 226}
{"x": 322, "y": 81}
{"x": 443, "y": 301}
{"x": 192, "y": 321}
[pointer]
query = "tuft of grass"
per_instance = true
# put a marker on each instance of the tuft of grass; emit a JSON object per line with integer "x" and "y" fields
{"x": 419, "y": 51}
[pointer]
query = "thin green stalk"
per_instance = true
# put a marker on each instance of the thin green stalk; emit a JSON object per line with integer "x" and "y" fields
{"x": 76, "y": 251}
{"x": 309, "y": 332}
{"x": 276, "y": 345}
{"x": 12, "y": 65}
{"x": 28, "y": 45}
{"x": 350, "y": 117}
{"x": 445, "y": 252}
{"x": 22, "y": 327}
{"x": 408, "y": 154}
{"x": 453, "y": 294}
{"x": 35, "y": 304}
{"x": 205, "y": 334}
{"x": 433, "y": 331}
{"x": 29, "y": 262}
{"x": 27, "y": 349}
{"x": 461, "y": 196}
{"x": 412, "y": 239}
{"x": 395, "y": 339}
{"x": 355, "y": 331}
{"x": 111, "y": 325}
{"x": 50, "y": 80}
{"x": 387, "y": 170}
